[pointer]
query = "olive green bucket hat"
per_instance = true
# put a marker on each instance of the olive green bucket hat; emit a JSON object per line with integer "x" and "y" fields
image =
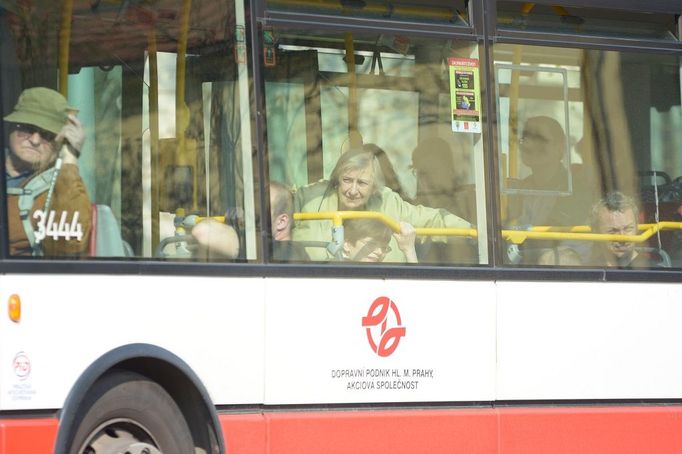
{"x": 41, "y": 107}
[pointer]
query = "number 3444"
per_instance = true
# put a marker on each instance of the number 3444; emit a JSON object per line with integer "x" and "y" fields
{"x": 48, "y": 226}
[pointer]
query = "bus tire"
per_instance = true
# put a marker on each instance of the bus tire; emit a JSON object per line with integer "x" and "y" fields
{"x": 126, "y": 412}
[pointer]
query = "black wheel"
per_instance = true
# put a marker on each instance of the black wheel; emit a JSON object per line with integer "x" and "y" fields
{"x": 127, "y": 413}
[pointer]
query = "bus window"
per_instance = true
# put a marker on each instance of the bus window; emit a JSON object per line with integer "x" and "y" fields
{"x": 589, "y": 143}
{"x": 378, "y": 126}
{"x": 162, "y": 95}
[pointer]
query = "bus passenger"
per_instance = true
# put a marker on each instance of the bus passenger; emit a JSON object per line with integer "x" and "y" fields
{"x": 282, "y": 217}
{"x": 220, "y": 240}
{"x": 439, "y": 180}
{"x": 44, "y": 186}
{"x": 617, "y": 214}
{"x": 216, "y": 240}
{"x": 543, "y": 142}
{"x": 357, "y": 183}
{"x": 367, "y": 240}
{"x": 390, "y": 176}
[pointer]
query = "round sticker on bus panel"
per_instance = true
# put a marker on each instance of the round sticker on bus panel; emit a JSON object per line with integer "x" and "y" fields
{"x": 22, "y": 366}
{"x": 384, "y": 325}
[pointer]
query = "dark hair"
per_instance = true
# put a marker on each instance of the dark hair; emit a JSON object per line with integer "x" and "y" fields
{"x": 356, "y": 229}
{"x": 614, "y": 201}
{"x": 391, "y": 180}
{"x": 433, "y": 151}
{"x": 554, "y": 127}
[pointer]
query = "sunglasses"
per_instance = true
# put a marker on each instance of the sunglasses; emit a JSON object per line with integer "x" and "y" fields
{"x": 26, "y": 130}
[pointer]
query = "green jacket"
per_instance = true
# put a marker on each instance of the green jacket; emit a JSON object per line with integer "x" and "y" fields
{"x": 320, "y": 196}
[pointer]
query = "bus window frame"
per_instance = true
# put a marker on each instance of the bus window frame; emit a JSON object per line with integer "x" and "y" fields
{"x": 4, "y": 228}
{"x": 336, "y": 271}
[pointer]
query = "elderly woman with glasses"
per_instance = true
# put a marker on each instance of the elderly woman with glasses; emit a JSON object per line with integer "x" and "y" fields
{"x": 356, "y": 183}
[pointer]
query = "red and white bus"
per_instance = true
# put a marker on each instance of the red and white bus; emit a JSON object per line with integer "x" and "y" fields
{"x": 513, "y": 332}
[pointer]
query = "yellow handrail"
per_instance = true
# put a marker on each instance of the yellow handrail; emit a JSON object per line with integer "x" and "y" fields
{"x": 578, "y": 232}
{"x": 337, "y": 218}
{"x": 214, "y": 218}
{"x": 581, "y": 232}
{"x": 186, "y": 148}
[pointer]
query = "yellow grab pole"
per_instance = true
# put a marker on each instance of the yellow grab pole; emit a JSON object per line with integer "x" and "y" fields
{"x": 581, "y": 233}
{"x": 514, "y": 89}
{"x": 181, "y": 111}
{"x": 337, "y": 218}
{"x": 154, "y": 131}
{"x": 352, "y": 89}
{"x": 64, "y": 46}
{"x": 514, "y": 236}
{"x": 186, "y": 151}
{"x": 527, "y": 8}
{"x": 514, "y": 104}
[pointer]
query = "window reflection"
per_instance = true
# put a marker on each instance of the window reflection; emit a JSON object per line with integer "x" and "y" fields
{"x": 587, "y": 137}
{"x": 162, "y": 98}
{"x": 368, "y": 128}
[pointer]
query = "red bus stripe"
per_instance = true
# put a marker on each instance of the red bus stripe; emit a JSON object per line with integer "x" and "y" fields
{"x": 34, "y": 436}
{"x": 625, "y": 430}
{"x": 587, "y": 430}
{"x": 655, "y": 430}
{"x": 244, "y": 433}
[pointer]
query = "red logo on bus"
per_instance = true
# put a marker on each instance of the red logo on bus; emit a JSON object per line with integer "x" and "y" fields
{"x": 22, "y": 366}
{"x": 383, "y": 324}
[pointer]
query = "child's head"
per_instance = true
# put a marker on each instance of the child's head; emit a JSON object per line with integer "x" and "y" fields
{"x": 366, "y": 240}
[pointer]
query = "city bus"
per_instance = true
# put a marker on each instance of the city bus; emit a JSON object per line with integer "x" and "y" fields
{"x": 521, "y": 145}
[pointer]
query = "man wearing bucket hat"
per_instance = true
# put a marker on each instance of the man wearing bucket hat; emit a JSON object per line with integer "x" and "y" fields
{"x": 48, "y": 206}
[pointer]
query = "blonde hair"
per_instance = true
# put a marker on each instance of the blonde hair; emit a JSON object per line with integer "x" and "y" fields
{"x": 614, "y": 201}
{"x": 358, "y": 159}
